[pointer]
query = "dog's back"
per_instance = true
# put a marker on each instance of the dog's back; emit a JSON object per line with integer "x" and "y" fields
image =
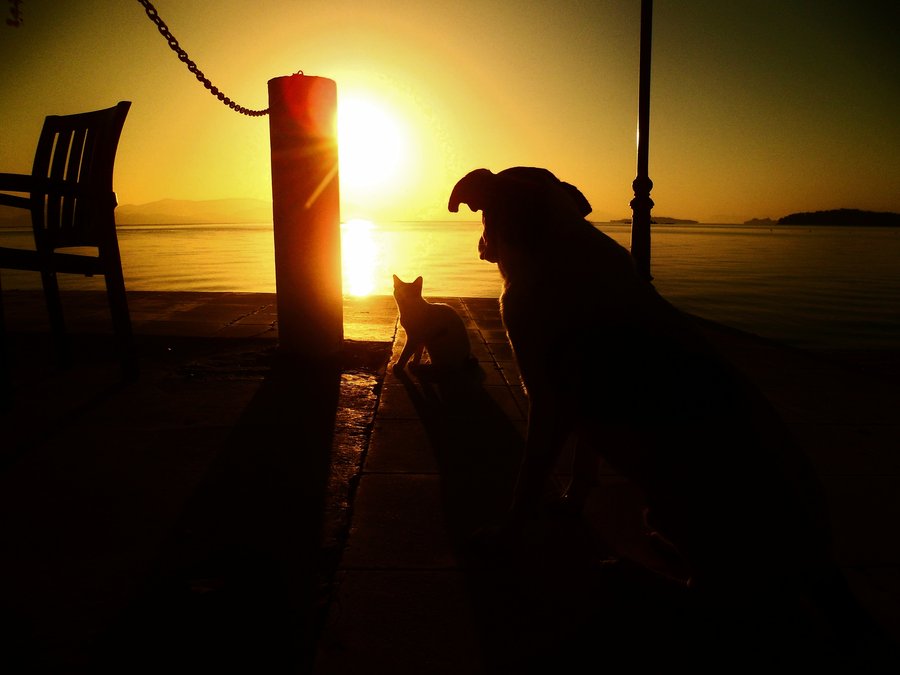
{"x": 715, "y": 461}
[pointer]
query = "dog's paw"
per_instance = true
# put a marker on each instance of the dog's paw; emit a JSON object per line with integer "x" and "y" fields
{"x": 508, "y": 537}
{"x": 565, "y": 508}
{"x": 493, "y": 542}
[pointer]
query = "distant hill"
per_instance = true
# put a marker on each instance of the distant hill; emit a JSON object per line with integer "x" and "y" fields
{"x": 843, "y": 217}
{"x": 184, "y": 212}
{"x": 173, "y": 212}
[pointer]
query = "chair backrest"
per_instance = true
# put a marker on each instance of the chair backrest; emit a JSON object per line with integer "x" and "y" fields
{"x": 72, "y": 202}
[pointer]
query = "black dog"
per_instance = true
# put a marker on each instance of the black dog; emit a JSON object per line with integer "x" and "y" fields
{"x": 605, "y": 358}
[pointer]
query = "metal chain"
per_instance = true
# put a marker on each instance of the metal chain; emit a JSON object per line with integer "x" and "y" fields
{"x": 191, "y": 66}
{"x": 15, "y": 13}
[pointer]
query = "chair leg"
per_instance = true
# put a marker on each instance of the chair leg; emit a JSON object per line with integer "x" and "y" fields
{"x": 61, "y": 345}
{"x": 121, "y": 319}
{"x": 6, "y": 393}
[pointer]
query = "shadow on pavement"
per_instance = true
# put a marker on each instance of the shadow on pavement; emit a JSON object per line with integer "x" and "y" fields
{"x": 557, "y": 600}
{"x": 236, "y": 588}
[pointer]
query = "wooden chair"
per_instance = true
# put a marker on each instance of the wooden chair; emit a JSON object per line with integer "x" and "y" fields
{"x": 70, "y": 196}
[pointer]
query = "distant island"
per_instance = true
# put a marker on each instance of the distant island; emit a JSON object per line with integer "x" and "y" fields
{"x": 236, "y": 211}
{"x": 847, "y": 217}
{"x": 844, "y": 217}
{"x": 660, "y": 220}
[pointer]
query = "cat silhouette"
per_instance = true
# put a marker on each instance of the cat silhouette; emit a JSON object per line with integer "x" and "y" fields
{"x": 432, "y": 327}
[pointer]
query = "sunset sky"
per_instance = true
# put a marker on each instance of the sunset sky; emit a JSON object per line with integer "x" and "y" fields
{"x": 758, "y": 108}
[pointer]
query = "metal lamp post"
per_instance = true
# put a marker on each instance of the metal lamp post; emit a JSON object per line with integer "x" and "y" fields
{"x": 642, "y": 204}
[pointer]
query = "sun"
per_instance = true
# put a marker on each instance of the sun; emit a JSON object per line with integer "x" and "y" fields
{"x": 373, "y": 148}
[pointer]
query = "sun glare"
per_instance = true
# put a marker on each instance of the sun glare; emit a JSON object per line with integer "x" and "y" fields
{"x": 372, "y": 147}
{"x": 359, "y": 255}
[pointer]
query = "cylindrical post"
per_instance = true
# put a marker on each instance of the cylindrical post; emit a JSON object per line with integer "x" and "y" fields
{"x": 306, "y": 215}
{"x": 642, "y": 204}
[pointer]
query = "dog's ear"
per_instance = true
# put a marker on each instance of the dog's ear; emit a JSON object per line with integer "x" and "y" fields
{"x": 581, "y": 202}
{"x": 479, "y": 188}
{"x": 473, "y": 189}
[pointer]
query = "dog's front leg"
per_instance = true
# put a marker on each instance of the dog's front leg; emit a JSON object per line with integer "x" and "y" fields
{"x": 546, "y": 434}
{"x": 548, "y": 430}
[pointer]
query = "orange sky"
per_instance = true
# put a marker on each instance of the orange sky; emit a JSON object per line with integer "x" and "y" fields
{"x": 758, "y": 108}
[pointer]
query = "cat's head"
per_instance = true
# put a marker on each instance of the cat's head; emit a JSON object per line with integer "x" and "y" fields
{"x": 403, "y": 289}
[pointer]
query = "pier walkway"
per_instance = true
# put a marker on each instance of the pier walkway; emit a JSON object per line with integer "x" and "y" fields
{"x": 230, "y": 512}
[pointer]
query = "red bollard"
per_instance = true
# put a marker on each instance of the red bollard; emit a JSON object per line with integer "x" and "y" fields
{"x": 306, "y": 215}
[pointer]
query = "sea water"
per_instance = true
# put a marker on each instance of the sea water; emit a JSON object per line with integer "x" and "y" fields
{"x": 814, "y": 287}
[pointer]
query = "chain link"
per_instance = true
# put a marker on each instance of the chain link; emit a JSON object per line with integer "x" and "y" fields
{"x": 15, "y": 13}
{"x": 191, "y": 66}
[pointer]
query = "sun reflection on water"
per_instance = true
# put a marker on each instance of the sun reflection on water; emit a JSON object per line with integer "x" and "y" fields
{"x": 360, "y": 254}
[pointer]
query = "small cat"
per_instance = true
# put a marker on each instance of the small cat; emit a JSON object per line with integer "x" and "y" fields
{"x": 431, "y": 326}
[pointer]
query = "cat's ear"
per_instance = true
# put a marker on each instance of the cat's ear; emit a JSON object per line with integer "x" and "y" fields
{"x": 396, "y": 280}
{"x": 418, "y": 283}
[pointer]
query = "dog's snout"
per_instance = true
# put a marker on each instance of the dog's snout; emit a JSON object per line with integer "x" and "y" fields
{"x": 485, "y": 251}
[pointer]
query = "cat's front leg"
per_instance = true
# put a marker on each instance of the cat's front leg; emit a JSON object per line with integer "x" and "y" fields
{"x": 400, "y": 363}
{"x": 417, "y": 356}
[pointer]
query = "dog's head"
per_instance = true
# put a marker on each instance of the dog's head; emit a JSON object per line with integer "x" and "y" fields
{"x": 518, "y": 206}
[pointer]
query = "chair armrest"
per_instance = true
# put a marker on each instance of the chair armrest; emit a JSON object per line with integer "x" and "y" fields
{"x": 15, "y": 182}
{"x": 17, "y": 202}
{"x": 20, "y": 259}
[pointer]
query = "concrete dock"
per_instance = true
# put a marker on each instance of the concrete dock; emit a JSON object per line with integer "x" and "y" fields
{"x": 229, "y": 512}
